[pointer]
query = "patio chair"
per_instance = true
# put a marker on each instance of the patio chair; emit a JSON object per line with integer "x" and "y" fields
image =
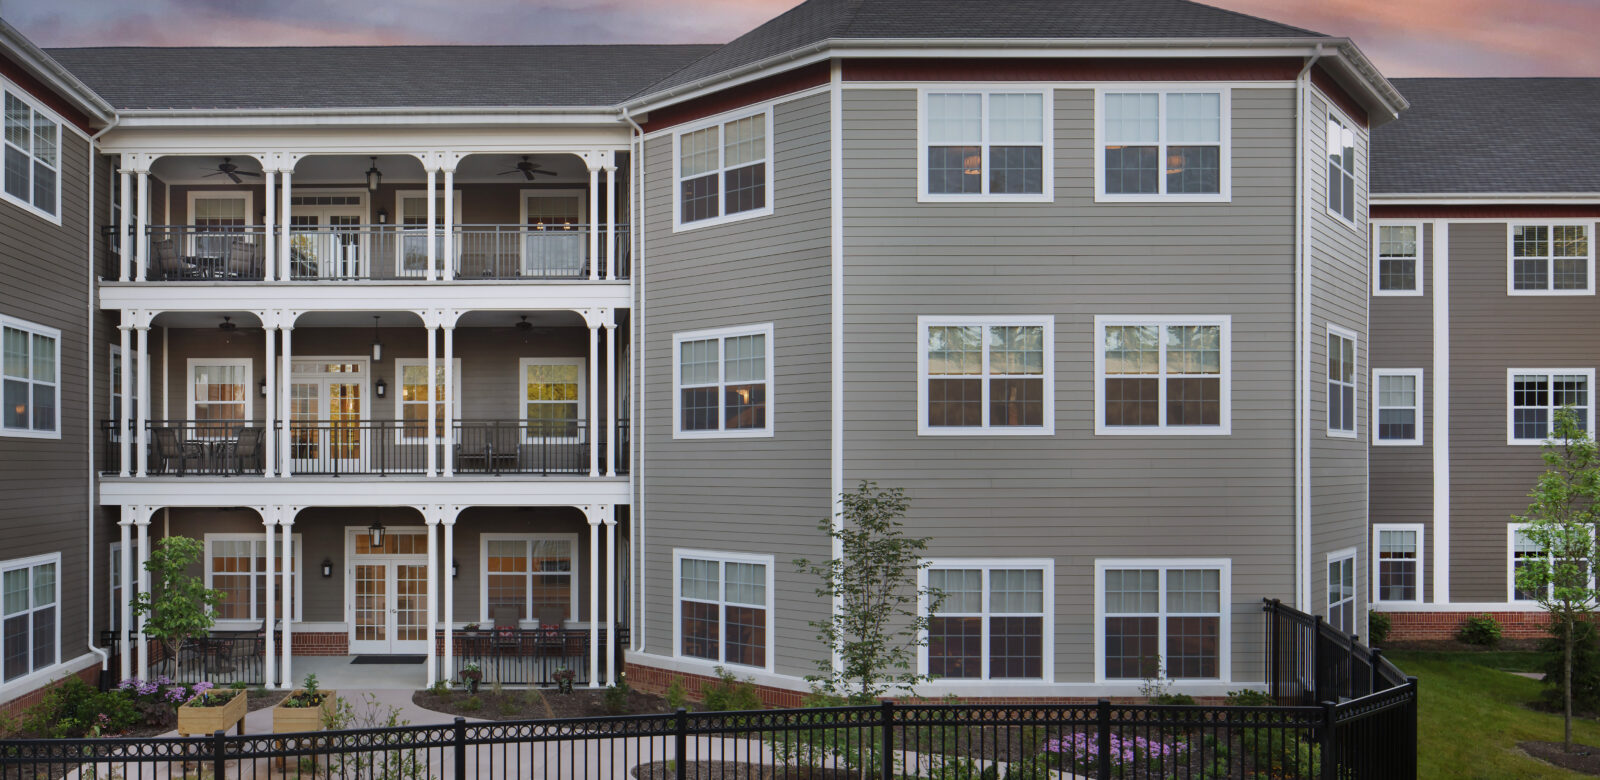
{"x": 504, "y": 449}
{"x": 244, "y": 259}
{"x": 242, "y": 452}
{"x": 168, "y": 264}
{"x": 173, "y": 452}
{"x": 507, "y": 625}
{"x": 549, "y": 639}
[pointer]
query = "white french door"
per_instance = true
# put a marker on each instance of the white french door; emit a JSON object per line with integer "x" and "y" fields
{"x": 556, "y": 240}
{"x": 327, "y": 405}
{"x": 389, "y": 593}
{"x": 326, "y": 240}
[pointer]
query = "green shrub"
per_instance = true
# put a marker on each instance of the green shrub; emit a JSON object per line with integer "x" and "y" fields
{"x": 677, "y": 696}
{"x": 1246, "y": 697}
{"x": 74, "y": 709}
{"x": 472, "y": 704}
{"x": 1378, "y": 625}
{"x": 731, "y": 694}
{"x": 1585, "y": 666}
{"x": 615, "y": 697}
{"x": 1482, "y": 630}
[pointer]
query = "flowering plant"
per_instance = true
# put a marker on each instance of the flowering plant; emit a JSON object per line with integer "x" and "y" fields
{"x": 157, "y": 700}
{"x": 1082, "y": 752}
{"x": 563, "y": 678}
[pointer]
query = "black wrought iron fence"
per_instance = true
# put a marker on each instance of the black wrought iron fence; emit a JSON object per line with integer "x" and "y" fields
{"x": 1310, "y": 661}
{"x": 219, "y": 657}
{"x": 528, "y": 656}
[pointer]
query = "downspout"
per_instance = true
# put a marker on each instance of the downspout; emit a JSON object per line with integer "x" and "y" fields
{"x": 636, "y": 350}
{"x": 105, "y": 655}
{"x": 1302, "y": 331}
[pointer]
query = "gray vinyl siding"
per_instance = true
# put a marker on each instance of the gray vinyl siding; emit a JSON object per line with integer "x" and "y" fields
{"x": 747, "y": 495}
{"x": 1340, "y": 288}
{"x": 44, "y": 279}
{"x": 1077, "y": 497}
{"x": 1401, "y": 336}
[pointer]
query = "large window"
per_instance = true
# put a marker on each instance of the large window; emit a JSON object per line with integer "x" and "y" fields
{"x": 30, "y": 639}
{"x": 29, "y": 383}
{"x": 1162, "y": 375}
{"x": 1163, "y": 617}
{"x": 1522, "y": 551}
{"x": 986, "y": 375}
{"x": 411, "y": 404}
{"x": 32, "y": 156}
{"x": 219, "y": 390}
{"x": 995, "y": 622}
{"x": 236, "y": 564}
{"x": 723, "y": 382}
{"x": 1397, "y": 406}
{"x": 1341, "y": 147}
{"x": 1550, "y": 259}
{"x": 724, "y": 605}
{"x": 1399, "y": 561}
{"x": 722, "y": 171}
{"x": 531, "y": 574}
{"x": 1168, "y": 145}
{"x": 1341, "y": 382}
{"x": 1397, "y": 260}
{"x": 1342, "y": 590}
{"x": 985, "y": 144}
{"x": 1533, "y": 395}
{"x": 553, "y": 397}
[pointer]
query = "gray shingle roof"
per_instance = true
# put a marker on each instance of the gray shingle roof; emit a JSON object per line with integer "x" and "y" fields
{"x": 1489, "y": 135}
{"x": 372, "y": 76}
{"x": 818, "y": 20}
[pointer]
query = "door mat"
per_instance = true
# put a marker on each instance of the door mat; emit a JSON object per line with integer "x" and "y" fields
{"x": 390, "y": 659}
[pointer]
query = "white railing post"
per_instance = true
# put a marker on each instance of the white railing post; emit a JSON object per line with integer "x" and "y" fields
{"x": 611, "y": 594}
{"x": 432, "y": 517}
{"x": 447, "y": 518}
{"x": 594, "y": 397}
{"x": 285, "y": 408}
{"x": 449, "y": 221}
{"x": 142, "y": 520}
{"x": 290, "y": 569}
{"x": 142, "y": 423}
{"x": 594, "y": 593}
{"x": 141, "y": 244}
{"x": 433, "y": 214}
{"x": 126, "y": 431}
{"x": 285, "y": 197}
{"x": 124, "y": 226}
{"x": 449, "y": 434}
{"x": 593, "y": 160}
{"x": 611, "y": 397}
{"x": 611, "y": 216}
{"x": 269, "y": 432}
{"x": 269, "y": 664}
{"x": 125, "y": 603}
{"x": 430, "y": 324}
{"x": 269, "y": 237}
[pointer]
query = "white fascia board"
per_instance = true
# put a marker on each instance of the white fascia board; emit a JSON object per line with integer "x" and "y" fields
{"x": 366, "y": 296}
{"x": 1485, "y": 198}
{"x": 365, "y": 117}
{"x": 350, "y": 490}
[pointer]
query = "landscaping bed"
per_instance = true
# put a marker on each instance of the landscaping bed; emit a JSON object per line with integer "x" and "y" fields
{"x": 727, "y": 770}
{"x": 1582, "y": 759}
{"x": 510, "y": 704}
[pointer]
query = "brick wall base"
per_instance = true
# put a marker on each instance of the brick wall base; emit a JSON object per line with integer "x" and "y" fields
{"x": 1422, "y": 626}
{"x": 16, "y": 706}
{"x": 320, "y": 643}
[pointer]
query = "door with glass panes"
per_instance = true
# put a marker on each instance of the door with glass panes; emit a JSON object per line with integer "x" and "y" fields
{"x": 327, "y": 406}
{"x": 388, "y": 590}
{"x": 327, "y": 241}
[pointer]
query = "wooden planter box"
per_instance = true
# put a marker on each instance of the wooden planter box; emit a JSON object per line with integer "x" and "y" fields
{"x": 194, "y": 720}
{"x": 290, "y": 720}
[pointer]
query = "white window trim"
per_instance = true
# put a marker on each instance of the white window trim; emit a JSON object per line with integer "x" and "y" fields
{"x": 522, "y": 388}
{"x": 28, "y": 563}
{"x": 1511, "y": 375}
{"x": 722, "y": 218}
{"x": 1224, "y": 630}
{"x": 1348, "y": 553}
{"x": 1354, "y": 222}
{"x": 1355, "y": 382}
{"x": 1225, "y": 157}
{"x": 400, "y": 365}
{"x": 1377, "y": 243}
{"x": 48, "y": 332}
{"x": 1047, "y": 174}
{"x": 400, "y": 206}
{"x": 1511, "y": 232}
{"x": 1048, "y": 322}
{"x": 249, "y": 383}
{"x": 6, "y": 85}
{"x": 575, "y": 193}
{"x": 483, "y": 574}
{"x": 299, "y": 582}
{"x": 678, "y": 554}
{"x": 1048, "y": 565}
{"x": 1225, "y": 426}
{"x": 722, "y": 334}
{"x": 1377, "y": 562}
{"x": 1511, "y": 565}
{"x": 1375, "y": 390}
{"x": 246, "y": 195}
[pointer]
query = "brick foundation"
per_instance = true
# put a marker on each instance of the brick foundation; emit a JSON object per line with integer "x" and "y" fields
{"x": 320, "y": 643}
{"x": 18, "y": 705}
{"x": 1418, "y": 626}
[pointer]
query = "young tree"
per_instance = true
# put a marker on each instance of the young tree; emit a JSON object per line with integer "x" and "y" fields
{"x": 1561, "y": 525}
{"x": 179, "y": 605}
{"x": 878, "y": 627}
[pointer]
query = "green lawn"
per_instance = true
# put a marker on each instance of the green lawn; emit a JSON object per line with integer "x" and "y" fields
{"x": 1472, "y": 716}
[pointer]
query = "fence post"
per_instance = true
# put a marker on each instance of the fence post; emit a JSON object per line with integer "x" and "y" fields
{"x": 219, "y": 741}
{"x": 461, "y": 748}
{"x": 1271, "y": 609}
{"x": 887, "y": 710}
{"x": 1316, "y": 666}
{"x": 1329, "y": 770}
{"x": 1103, "y": 739}
{"x": 681, "y": 743}
{"x": 1376, "y": 659}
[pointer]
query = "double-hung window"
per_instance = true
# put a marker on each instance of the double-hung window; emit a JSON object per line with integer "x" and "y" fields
{"x": 1523, "y": 551}
{"x": 32, "y": 157}
{"x": 995, "y": 621}
{"x": 722, "y": 171}
{"x": 985, "y": 145}
{"x": 1341, "y": 382}
{"x": 1341, "y": 147}
{"x": 986, "y": 375}
{"x": 531, "y": 574}
{"x": 1533, "y": 396}
{"x": 724, "y": 606}
{"x": 29, "y": 383}
{"x": 219, "y": 395}
{"x": 236, "y": 564}
{"x": 1163, "y": 145}
{"x": 1551, "y": 259}
{"x": 30, "y": 634}
{"x": 1396, "y": 406}
{"x": 1397, "y": 260}
{"x": 1342, "y": 590}
{"x": 553, "y": 402}
{"x": 1399, "y": 561}
{"x": 1162, "y": 375}
{"x": 723, "y": 382}
{"x": 1166, "y": 618}
{"x": 411, "y": 404}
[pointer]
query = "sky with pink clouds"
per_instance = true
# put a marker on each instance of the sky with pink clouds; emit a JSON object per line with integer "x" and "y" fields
{"x": 1404, "y": 37}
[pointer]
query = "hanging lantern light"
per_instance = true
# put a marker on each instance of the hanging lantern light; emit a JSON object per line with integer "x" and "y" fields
{"x": 373, "y": 176}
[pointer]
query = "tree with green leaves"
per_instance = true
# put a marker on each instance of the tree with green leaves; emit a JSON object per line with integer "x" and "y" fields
{"x": 179, "y": 605}
{"x": 1561, "y": 526}
{"x": 877, "y": 627}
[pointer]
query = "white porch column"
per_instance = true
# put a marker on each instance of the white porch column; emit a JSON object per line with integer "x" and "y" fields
{"x": 142, "y": 423}
{"x": 433, "y": 227}
{"x": 611, "y": 398}
{"x": 594, "y": 513}
{"x": 126, "y": 434}
{"x": 448, "y": 519}
{"x": 284, "y": 195}
{"x": 285, "y": 378}
{"x": 611, "y": 595}
{"x": 449, "y": 269}
{"x": 269, "y": 433}
{"x": 269, "y": 665}
{"x": 594, "y": 396}
{"x": 124, "y": 225}
{"x": 433, "y": 392}
{"x": 142, "y": 520}
{"x": 269, "y": 237}
{"x": 125, "y": 605}
{"x": 291, "y": 570}
{"x": 611, "y": 216}
{"x": 432, "y": 514}
{"x": 593, "y": 159}
{"x": 141, "y": 244}
{"x": 449, "y": 403}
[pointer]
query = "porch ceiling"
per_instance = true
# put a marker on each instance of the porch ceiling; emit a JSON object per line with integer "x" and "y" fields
{"x": 350, "y": 169}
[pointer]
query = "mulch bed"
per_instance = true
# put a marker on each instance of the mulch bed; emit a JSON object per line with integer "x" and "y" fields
{"x": 728, "y": 770}
{"x": 534, "y": 704}
{"x": 1584, "y": 759}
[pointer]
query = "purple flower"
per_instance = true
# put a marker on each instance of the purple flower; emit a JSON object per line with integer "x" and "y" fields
{"x": 147, "y": 688}
{"x": 202, "y": 687}
{"x": 164, "y": 680}
{"x": 128, "y": 683}
{"x": 176, "y": 694}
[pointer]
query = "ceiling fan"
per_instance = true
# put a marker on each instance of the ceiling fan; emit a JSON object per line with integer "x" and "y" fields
{"x": 528, "y": 168}
{"x": 230, "y": 170}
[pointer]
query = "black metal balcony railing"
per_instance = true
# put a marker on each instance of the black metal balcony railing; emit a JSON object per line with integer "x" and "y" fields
{"x": 371, "y": 252}
{"x": 528, "y": 656}
{"x": 365, "y": 447}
